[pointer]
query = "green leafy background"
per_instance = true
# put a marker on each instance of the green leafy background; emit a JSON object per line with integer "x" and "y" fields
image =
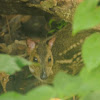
{"x": 86, "y": 85}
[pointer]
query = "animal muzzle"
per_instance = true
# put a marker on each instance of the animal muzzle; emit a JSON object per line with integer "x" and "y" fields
{"x": 43, "y": 74}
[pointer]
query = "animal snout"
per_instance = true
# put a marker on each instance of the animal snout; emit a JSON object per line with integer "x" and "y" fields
{"x": 43, "y": 75}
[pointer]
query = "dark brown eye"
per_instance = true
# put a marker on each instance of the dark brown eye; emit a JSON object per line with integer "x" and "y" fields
{"x": 35, "y": 59}
{"x": 49, "y": 59}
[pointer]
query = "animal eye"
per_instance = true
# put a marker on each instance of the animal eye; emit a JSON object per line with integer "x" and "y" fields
{"x": 49, "y": 59}
{"x": 35, "y": 59}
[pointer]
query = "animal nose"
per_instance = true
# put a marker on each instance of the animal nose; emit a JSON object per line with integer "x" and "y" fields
{"x": 43, "y": 75}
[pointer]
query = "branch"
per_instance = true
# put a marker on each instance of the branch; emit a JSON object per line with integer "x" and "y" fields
{"x": 8, "y": 7}
{"x": 62, "y": 8}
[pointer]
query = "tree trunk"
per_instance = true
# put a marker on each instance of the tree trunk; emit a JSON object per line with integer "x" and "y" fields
{"x": 61, "y": 8}
{"x": 8, "y": 7}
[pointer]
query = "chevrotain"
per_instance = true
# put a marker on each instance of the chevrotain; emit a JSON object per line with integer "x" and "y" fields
{"x": 61, "y": 52}
{"x": 41, "y": 55}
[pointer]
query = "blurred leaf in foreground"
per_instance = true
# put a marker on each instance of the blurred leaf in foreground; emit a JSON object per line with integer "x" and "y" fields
{"x": 41, "y": 93}
{"x": 11, "y": 96}
{"x": 91, "y": 96}
{"x": 90, "y": 80}
{"x": 91, "y": 51}
{"x": 11, "y": 64}
{"x": 87, "y": 16}
{"x": 66, "y": 85}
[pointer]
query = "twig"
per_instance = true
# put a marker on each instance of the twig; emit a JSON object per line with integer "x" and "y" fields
{"x": 73, "y": 97}
{"x": 8, "y": 26}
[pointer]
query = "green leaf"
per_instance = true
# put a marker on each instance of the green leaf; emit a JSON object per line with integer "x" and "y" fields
{"x": 91, "y": 51}
{"x": 90, "y": 80}
{"x": 91, "y": 96}
{"x": 12, "y": 96}
{"x": 51, "y": 21}
{"x": 41, "y": 93}
{"x": 66, "y": 85}
{"x": 21, "y": 61}
{"x": 87, "y": 16}
{"x": 61, "y": 24}
{"x": 51, "y": 31}
{"x": 11, "y": 64}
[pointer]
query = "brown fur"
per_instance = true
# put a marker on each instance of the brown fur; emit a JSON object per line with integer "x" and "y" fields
{"x": 65, "y": 52}
{"x": 42, "y": 52}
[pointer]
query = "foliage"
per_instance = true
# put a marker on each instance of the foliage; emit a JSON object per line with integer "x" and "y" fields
{"x": 86, "y": 85}
{"x": 91, "y": 51}
{"x": 11, "y": 96}
{"x": 82, "y": 85}
{"x": 56, "y": 25}
{"x": 87, "y": 16}
{"x": 92, "y": 96}
{"x": 11, "y": 64}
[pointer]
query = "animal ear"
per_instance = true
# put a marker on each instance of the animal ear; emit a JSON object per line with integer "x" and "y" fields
{"x": 31, "y": 45}
{"x": 51, "y": 42}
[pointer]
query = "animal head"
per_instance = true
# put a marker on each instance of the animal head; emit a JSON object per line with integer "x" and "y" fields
{"x": 41, "y": 56}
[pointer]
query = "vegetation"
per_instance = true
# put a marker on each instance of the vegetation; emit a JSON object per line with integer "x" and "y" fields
{"x": 86, "y": 85}
{"x": 56, "y": 25}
